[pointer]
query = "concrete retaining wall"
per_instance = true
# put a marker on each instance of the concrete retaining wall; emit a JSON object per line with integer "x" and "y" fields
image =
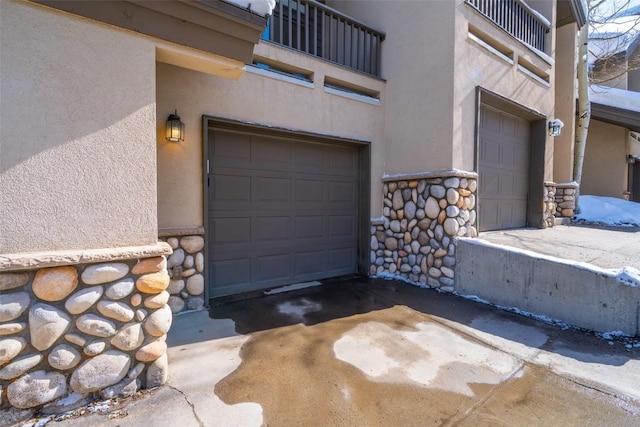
{"x": 578, "y": 294}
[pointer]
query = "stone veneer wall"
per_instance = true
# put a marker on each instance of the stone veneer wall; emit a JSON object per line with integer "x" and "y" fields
{"x": 549, "y": 211}
{"x": 78, "y": 330}
{"x": 566, "y": 199}
{"x": 422, "y": 214}
{"x": 186, "y": 268}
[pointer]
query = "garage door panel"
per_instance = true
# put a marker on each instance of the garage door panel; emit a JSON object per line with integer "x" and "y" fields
{"x": 272, "y": 189}
{"x": 272, "y": 229}
{"x": 295, "y": 217}
{"x": 271, "y": 154}
{"x": 341, "y": 260}
{"x": 273, "y": 267}
{"x": 310, "y": 158}
{"x": 503, "y": 170}
{"x": 308, "y": 190}
{"x": 232, "y": 272}
{"x": 310, "y": 227}
{"x": 230, "y": 150}
{"x": 342, "y": 162}
{"x": 340, "y": 192}
{"x": 230, "y": 187}
{"x": 341, "y": 226}
{"x": 310, "y": 263}
{"x": 231, "y": 230}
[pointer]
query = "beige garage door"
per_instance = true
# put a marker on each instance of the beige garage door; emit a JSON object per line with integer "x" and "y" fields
{"x": 281, "y": 211}
{"x": 503, "y": 169}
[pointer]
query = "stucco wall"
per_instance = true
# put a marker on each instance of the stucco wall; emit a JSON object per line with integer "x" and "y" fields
{"x": 566, "y": 85}
{"x": 77, "y": 134}
{"x": 257, "y": 99}
{"x": 604, "y": 171}
{"x": 418, "y": 63}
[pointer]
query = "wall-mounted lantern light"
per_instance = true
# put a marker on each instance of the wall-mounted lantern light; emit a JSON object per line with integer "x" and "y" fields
{"x": 630, "y": 159}
{"x": 555, "y": 127}
{"x": 175, "y": 128}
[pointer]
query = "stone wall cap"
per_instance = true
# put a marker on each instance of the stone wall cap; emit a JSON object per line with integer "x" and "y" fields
{"x": 37, "y": 260}
{"x": 567, "y": 184}
{"x": 550, "y": 184}
{"x": 377, "y": 221}
{"x": 432, "y": 174}
{"x": 183, "y": 231}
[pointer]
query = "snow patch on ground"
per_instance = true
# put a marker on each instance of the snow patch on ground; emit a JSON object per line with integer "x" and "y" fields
{"x": 419, "y": 357}
{"x": 299, "y": 307}
{"x": 608, "y": 211}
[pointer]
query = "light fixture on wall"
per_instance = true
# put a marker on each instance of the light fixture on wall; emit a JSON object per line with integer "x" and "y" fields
{"x": 630, "y": 159}
{"x": 555, "y": 127}
{"x": 175, "y": 128}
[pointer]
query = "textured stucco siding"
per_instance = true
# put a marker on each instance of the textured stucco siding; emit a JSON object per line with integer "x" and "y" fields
{"x": 77, "y": 135}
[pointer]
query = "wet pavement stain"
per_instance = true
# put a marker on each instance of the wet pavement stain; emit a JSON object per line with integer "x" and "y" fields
{"x": 293, "y": 373}
{"x": 290, "y": 367}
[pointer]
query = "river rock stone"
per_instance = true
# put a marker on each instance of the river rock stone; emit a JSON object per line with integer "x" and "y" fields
{"x": 124, "y": 388}
{"x": 447, "y": 272}
{"x": 150, "y": 265}
{"x": 100, "y": 372}
{"x": 177, "y": 304}
{"x": 76, "y": 339}
{"x": 136, "y": 370}
{"x": 158, "y": 323}
{"x": 175, "y": 286}
{"x": 432, "y": 208}
{"x": 97, "y": 326}
{"x": 188, "y": 261}
{"x": 13, "y": 280}
{"x": 20, "y": 366}
{"x": 13, "y": 305}
{"x": 452, "y": 211}
{"x": 200, "y": 262}
{"x": 195, "y": 284}
{"x": 176, "y": 258}
{"x": 451, "y": 226}
{"x": 12, "y": 328}
{"x": 104, "y": 273}
{"x": 116, "y": 310}
{"x": 151, "y": 351}
{"x": 192, "y": 244}
{"x": 153, "y": 283}
{"x": 453, "y": 182}
{"x": 94, "y": 348}
{"x": 64, "y": 357}
{"x": 391, "y": 243}
{"x": 410, "y": 210}
{"x": 173, "y": 242}
{"x": 158, "y": 372}
{"x": 188, "y": 273}
{"x": 129, "y": 337}
{"x": 397, "y": 200}
{"x": 46, "y": 325}
{"x": 195, "y": 303}
{"x": 452, "y": 196}
{"x": 157, "y": 301}
{"x": 55, "y": 283}
{"x": 136, "y": 300}
{"x": 10, "y": 348}
{"x": 437, "y": 191}
{"x": 83, "y": 299}
{"x": 120, "y": 289}
{"x": 473, "y": 184}
{"x": 36, "y": 388}
{"x": 141, "y": 314}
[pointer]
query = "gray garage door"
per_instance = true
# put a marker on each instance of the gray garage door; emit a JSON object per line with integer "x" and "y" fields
{"x": 281, "y": 211}
{"x": 503, "y": 169}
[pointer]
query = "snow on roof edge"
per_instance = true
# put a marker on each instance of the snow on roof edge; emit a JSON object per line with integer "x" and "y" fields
{"x": 259, "y": 7}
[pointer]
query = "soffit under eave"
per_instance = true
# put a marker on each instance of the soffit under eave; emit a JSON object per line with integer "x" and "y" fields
{"x": 616, "y": 116}
{"x": 571, "y": 11}
{"x": 212, "y": 26}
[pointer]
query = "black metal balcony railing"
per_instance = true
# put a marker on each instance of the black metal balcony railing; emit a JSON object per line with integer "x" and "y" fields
{"x": 516, "y": 18}
{"x": 319, "y": 30}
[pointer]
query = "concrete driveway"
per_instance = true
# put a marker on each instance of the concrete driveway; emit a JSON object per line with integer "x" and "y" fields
{"x": 605, "y": 247}
{"x": 373, "y": 352}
